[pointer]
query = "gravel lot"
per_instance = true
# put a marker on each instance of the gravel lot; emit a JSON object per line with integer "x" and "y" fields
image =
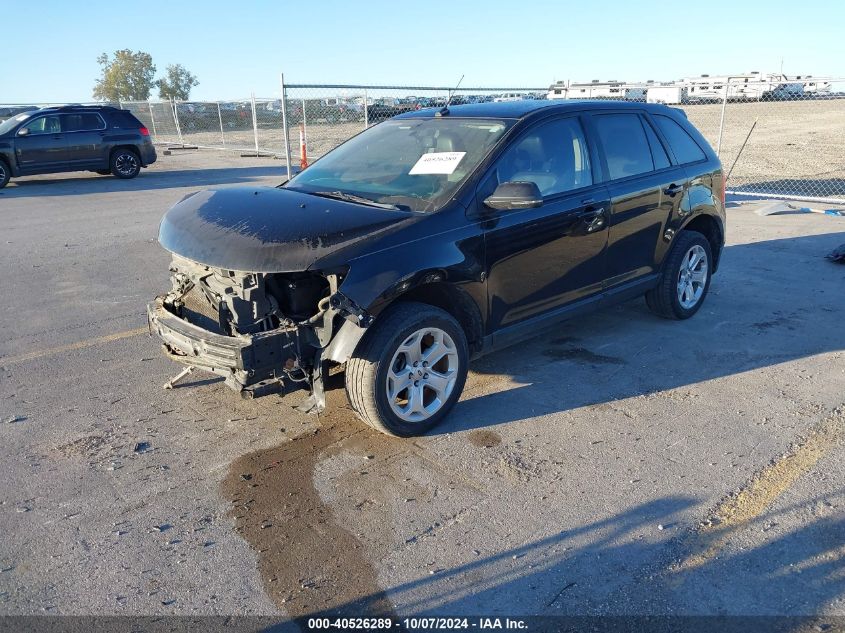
{"x": 620, "y": 464}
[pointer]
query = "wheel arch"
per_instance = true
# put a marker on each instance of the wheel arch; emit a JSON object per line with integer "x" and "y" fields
{"x": 446, "y": 296}
{"x": 456, "y": 302}
{"x": 7, "y": 160}
{"x": 711, "y": 227}
{"x": 133, "y": 148}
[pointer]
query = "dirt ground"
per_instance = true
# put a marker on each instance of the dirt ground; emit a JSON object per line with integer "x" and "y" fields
{"x": 620, "y": 464}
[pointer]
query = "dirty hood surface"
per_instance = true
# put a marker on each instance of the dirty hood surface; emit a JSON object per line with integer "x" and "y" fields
{"x": 266, "y": 229}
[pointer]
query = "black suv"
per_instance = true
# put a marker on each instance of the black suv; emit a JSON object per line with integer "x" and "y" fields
{"x": 435, "y": 237}
{"x": 103, "y": 139}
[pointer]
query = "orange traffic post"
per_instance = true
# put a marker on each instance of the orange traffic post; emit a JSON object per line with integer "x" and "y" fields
{"x": 303, "y": 153}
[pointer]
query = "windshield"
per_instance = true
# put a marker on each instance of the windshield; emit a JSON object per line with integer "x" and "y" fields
{"x": 415, "y": 164}
{"x": 8, "y": 124}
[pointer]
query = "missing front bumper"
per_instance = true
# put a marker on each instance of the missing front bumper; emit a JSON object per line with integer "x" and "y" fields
{"x": 253, "y": 364}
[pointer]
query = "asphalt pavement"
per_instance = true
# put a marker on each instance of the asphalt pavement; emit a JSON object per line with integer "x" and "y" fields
{"x": 620, "y": 464}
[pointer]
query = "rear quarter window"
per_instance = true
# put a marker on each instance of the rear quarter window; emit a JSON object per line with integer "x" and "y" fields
{"x": 686, "y": 150}
{"x": 661, "y": 158}
{"x": 125, "y": 120}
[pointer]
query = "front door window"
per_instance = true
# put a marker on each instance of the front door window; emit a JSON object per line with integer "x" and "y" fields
{"x": 553, "y": 155}
{"x": 45, "y": 125}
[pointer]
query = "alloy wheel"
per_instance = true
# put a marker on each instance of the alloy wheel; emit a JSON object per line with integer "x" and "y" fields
{"x": 126, "y": 164}
{"x": 692, "y": 277}
{"x": 422, "y": 374}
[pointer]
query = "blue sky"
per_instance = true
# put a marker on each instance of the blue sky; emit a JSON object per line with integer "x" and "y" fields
{"x": 238, "y": 47}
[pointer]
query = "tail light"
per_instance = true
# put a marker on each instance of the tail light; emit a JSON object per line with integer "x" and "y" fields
{"x": 144, "y": 131}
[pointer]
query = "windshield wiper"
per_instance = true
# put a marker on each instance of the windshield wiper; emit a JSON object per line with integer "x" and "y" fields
{"x": 351, "y": 197}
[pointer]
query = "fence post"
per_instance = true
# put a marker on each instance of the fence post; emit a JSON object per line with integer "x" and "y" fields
{"x": 220, "y": 118}
{"x": 152, "y": 120}
{"x": 366, "y": 111}
{"x": 722, "y": 119}
{"x": 174, "y": 105}
{"x": 285, "y": 123}
{"x": 254, "y": 123}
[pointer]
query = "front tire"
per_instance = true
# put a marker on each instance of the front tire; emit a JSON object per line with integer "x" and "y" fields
{"x": 409, "y": 369}
{"x": 685, "y": 279}
{"x": 125, "y": 164}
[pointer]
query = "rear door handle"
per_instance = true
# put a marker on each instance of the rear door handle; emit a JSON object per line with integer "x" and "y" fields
{"x": 673, "y": 189}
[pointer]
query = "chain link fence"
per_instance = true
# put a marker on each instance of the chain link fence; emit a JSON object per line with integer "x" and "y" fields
{"x": 775, "y": 139}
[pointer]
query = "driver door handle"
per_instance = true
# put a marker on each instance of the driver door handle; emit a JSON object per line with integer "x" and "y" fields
{"x": 594, "y": 218}
{"x": 673, "y": 189}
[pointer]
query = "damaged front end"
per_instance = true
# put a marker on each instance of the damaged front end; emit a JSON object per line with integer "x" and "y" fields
{"x": 263, "y": 332}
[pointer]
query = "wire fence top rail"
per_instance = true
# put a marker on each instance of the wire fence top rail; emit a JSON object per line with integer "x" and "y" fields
{"x": 430, "y": 88}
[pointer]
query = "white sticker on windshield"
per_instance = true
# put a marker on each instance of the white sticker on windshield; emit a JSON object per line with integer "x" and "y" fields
{"x": 437, "y": 163}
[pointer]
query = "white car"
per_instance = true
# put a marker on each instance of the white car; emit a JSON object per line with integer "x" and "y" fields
{"x": 510, "y": 96}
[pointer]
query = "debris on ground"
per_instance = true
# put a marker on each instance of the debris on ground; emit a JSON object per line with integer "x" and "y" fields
{"x": 779, "y": 207}
{"x": 837, "y": 254}
{"x": 142, "y": 447}
{"x": 15, "y": 418}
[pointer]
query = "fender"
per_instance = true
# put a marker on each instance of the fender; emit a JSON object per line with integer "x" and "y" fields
{"x": 453, "y": 278}
{"x": 375, "y": 280}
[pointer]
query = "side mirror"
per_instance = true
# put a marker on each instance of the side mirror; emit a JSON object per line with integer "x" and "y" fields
{"x": 23, "y": 131}
{"x": 515, "y": 195}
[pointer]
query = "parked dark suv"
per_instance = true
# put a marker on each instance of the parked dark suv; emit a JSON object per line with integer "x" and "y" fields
{"x": 103, "y": 139}
{"x": 435, "y": 237}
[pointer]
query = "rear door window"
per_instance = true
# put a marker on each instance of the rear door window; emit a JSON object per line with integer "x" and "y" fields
{"x": 83, "y": 121}
{"x": 686, "y": 150}
{"x": 625, "y": 144}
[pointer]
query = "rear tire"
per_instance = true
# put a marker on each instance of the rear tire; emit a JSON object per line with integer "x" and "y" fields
{"x": 5, "y": 173}
{"x": 125, "y": 164}
{"x": 685, "y": 279}
{"x": 409, "y": 369}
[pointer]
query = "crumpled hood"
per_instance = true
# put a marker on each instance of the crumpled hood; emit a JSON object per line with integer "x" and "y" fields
{"x": 266, "y": 229}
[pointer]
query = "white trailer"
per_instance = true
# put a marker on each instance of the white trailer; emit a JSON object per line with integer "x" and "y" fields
{"x": 597, "y": 90}
{"x": 666, "y": 94}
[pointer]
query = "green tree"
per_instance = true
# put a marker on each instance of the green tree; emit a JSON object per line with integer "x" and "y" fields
{"x": 177, "y": 83}
{"x": 128, "y": 76}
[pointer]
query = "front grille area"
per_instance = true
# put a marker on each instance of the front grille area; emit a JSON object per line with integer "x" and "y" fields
{"x": 200, "y": 312}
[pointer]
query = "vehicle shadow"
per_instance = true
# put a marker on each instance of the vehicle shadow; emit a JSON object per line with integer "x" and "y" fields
{"x": 89, "y": 183}
{"x": 770, "y": 303}
{"x": 609, "y": 568}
